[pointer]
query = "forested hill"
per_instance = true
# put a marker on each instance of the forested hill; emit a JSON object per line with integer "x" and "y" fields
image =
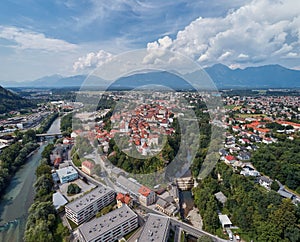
{"x": 10, "y": 101}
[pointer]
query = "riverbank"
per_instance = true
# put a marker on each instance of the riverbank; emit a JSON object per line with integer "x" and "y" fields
{"x": 19, "y": 195}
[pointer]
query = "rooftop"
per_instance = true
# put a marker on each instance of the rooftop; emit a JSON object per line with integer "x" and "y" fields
{"x": 145, "y": 191}
{"x": 129, "y": 185}
{"x": 66, "y": 171}
{"x": 224, "y": 220}
{"x": 155, "y": 229}
{"x": 58, "y": 200}
{"x": 87, "y": 199}
{"x": 105, "y": 223}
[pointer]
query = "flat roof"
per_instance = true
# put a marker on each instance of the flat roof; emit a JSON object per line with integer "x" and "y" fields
{"x": 224, "y": 219}
{"x": 155, "y": 229}
{"x": 129, "y": 185}
{"x": 105, "y": 223}
{"x": 88, "y": 198}
{"x": 58, "y": 200}
{"x": 66, "y": 171}
{"x": 285, "y": 194}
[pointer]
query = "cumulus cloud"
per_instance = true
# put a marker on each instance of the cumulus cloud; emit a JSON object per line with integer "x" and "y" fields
{"x": 92, "y": 60}
{"x": 157, "y": 49}
{"x": 263, "y": 30}
{"x": 27, "y": 39}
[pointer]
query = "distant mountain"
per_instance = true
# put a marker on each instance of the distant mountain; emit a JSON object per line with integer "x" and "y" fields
{"x": 269, "y": 76}
{"x": 56, "y": 81}
{"x": 162, "y": 78}
{"x": 12, "y": 102}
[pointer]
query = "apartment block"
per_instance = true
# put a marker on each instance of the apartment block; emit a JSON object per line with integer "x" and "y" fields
{"x": 85, "y": 207}
{"x": 109, "y": 227}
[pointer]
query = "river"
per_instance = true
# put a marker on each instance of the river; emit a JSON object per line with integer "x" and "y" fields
{"x": 19, "y": 196}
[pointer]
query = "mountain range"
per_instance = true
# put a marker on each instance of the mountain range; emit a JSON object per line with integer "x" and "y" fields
{"x": 268, "y": 76}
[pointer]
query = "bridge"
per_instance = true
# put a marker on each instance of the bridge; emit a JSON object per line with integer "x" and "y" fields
{"x": 48, "y": 135}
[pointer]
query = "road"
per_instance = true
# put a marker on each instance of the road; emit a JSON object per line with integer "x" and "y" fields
{"x": 184, "y": 226}
{"x": 194, "y": 231}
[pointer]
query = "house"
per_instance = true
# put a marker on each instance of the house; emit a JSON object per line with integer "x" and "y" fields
{"x": 244, "y": 156}
{"x": 267, "y": 140}
{"x": 225, "y": 221}
{"x": 124, "y": 199}
{"x": 249, "y": 172}
{"x": 230, "y": 159}
{"x": 88, "y": 167}
{"x": 161, "y": 204}
{"x": 265, "y": 182}
{"x": 67, "y": 174}
{"x": 68, "y": 141}
{"x": 221, "y": 197}
{"x": 146, "y": 196}
{"x": 236, "y": 128}
{"x": 56, "y": 162}
{"x": 223, "y": 152}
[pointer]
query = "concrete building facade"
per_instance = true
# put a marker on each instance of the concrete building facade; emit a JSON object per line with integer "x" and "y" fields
{"x": 88, "y": 205}
{"x": 109, "y": 227}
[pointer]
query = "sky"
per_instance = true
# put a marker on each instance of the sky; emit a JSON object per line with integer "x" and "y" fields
{"x": 70, "y": 37}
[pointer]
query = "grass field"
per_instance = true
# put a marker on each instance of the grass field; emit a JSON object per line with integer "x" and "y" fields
{"x": 249, "y": 115}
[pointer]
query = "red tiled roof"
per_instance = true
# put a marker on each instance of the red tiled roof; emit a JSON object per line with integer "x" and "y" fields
{"x": 230, "y": 157}
{"x": 88, "y": 164}
{"x": 145, "y": 191}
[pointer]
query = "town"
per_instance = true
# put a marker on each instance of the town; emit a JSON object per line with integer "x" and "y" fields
{"x": 95, "y": 192}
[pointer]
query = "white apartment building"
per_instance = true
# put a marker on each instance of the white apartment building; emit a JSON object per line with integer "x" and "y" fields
{"x": 88, "y": 205}
{"x": 109, "y": 227}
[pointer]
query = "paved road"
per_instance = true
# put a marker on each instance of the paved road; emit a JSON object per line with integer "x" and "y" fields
{"x": 185, "y": 227}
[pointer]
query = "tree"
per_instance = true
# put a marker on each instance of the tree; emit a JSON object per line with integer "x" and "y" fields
{"x": 275, "y": 186}
{"x": 205, "y": 238}
{"x": 73, "y": 188}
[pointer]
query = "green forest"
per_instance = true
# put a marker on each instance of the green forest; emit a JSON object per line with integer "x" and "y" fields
{"x": 44, "y": 223}
{"x": 261, "y": 215}
{"x": 280, "y": 161}
{"x": 12, "y": 102}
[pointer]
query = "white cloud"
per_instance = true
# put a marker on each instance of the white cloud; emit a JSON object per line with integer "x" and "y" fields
{"x": 27, "y": 39}
{"x": 157, "y": 49}
{"x": 92, "y": 60}
{"x": 260, "y": 31}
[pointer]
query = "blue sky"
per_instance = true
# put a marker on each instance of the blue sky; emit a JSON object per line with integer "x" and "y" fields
{"x": 68, "y": 37}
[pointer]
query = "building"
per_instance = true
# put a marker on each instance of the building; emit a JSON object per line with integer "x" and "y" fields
{"x": 67, "y": 174}
{"x": 6, "y": 139}
{"x": 221, "y": 197}
{"x": 88, "y": 167}
{"x": 156, "y": 229}
{"x": 146, "y": 196}
{"x": 88, "y": 205}
{"x": 58, "y": 200}
{"x": 130, "y": 185}
{"x": 185, "y": 183}
{"x": 109, "y": 227}
{"x": 124, "y": 199}
{"x": 285, "y": 194}
{"x": 225, "y": 221}
{"x": 174, "y": 192}
{"x": 265, "y": 182}
{"x": 166, "y": 207}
